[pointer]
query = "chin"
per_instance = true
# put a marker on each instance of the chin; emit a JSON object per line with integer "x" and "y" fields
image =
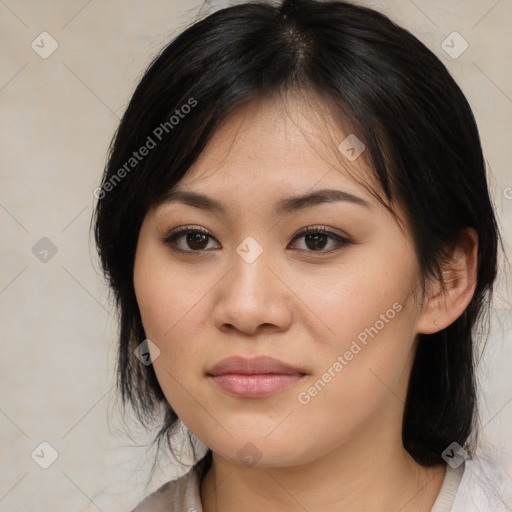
{"x": 259, "y": 451}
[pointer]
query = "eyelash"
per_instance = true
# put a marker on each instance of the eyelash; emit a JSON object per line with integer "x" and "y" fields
{"x": 174, "y": 235}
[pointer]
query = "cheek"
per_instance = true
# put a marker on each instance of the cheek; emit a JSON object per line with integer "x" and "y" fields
{"x": 174, "y": 309}
{"x": 359, "y": 382}
{"x": 169, "y": 310}
{"x": 168, "y": 299}
{"x": 370, "y": 312}
{"x": 360, "y": 295}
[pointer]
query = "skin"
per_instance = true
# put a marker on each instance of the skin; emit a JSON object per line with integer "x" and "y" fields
{"x": 343, "y": 449}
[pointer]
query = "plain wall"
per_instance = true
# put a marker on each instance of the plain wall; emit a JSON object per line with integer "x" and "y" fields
{"x": 58, "y": 115}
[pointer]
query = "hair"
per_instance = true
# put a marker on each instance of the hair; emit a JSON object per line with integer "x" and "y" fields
{"x": 421, "y": 139}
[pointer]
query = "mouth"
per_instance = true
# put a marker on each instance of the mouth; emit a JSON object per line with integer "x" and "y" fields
{"x": 254, "y": 378}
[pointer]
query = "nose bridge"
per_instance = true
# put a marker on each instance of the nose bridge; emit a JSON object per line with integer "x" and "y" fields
{"x": 250, "y": 273}
{"x": 250, "y": 297}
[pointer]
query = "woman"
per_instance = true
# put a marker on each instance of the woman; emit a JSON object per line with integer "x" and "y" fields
{"x": 296, "y": 224}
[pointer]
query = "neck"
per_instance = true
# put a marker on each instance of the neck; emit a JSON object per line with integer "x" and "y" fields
{"x": 378, "y": 475}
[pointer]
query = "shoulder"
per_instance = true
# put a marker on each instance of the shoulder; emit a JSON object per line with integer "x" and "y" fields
{"x": 180, "y": 495}
{"x": 486, "y": 483}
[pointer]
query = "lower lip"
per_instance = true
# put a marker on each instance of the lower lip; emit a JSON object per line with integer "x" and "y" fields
{"x": 256, "y": 385}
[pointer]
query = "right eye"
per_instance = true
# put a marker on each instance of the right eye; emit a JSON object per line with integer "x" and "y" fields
{"x": 189, "y": 239}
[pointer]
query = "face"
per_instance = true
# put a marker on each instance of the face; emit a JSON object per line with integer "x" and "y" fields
{"x": 282, "y": 329}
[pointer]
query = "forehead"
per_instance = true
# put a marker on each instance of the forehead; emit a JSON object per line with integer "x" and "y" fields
{"x": 289, "y": 143}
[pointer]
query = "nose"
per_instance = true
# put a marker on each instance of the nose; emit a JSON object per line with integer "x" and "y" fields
{"x": 252, "y": 298}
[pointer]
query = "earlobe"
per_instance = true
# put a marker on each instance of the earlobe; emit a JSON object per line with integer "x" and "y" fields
{"x": 448, "y": 299}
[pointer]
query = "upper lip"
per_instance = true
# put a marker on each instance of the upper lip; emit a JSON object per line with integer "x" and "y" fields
{"x": 255, "y": 365}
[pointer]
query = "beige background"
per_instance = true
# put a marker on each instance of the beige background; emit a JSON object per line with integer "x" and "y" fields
{"x": 57, "y": 118}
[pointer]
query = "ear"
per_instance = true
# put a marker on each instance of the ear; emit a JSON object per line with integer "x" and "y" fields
{"x": 447, "y": 300}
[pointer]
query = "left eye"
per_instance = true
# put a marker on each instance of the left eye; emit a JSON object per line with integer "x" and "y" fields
{"x": 195, "y": 239}
{"x": 316, "y": 239}
{"x": 188, "y": 240}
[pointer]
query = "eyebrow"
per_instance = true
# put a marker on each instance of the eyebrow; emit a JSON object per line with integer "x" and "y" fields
{"x": 283, "y": 206}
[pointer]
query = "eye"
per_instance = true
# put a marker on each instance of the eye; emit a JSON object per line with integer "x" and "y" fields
{"x": 195, "y": 239}
{"x": 189, "y": 239}
{"x": 317, "y": 238}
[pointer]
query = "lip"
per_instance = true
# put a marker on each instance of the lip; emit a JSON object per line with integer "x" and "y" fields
{"x": 256, "y": 377}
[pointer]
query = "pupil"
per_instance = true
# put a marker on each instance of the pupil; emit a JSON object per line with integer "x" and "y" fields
{"x": 196, "y": 240}
{"x": 316, "y": 239}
